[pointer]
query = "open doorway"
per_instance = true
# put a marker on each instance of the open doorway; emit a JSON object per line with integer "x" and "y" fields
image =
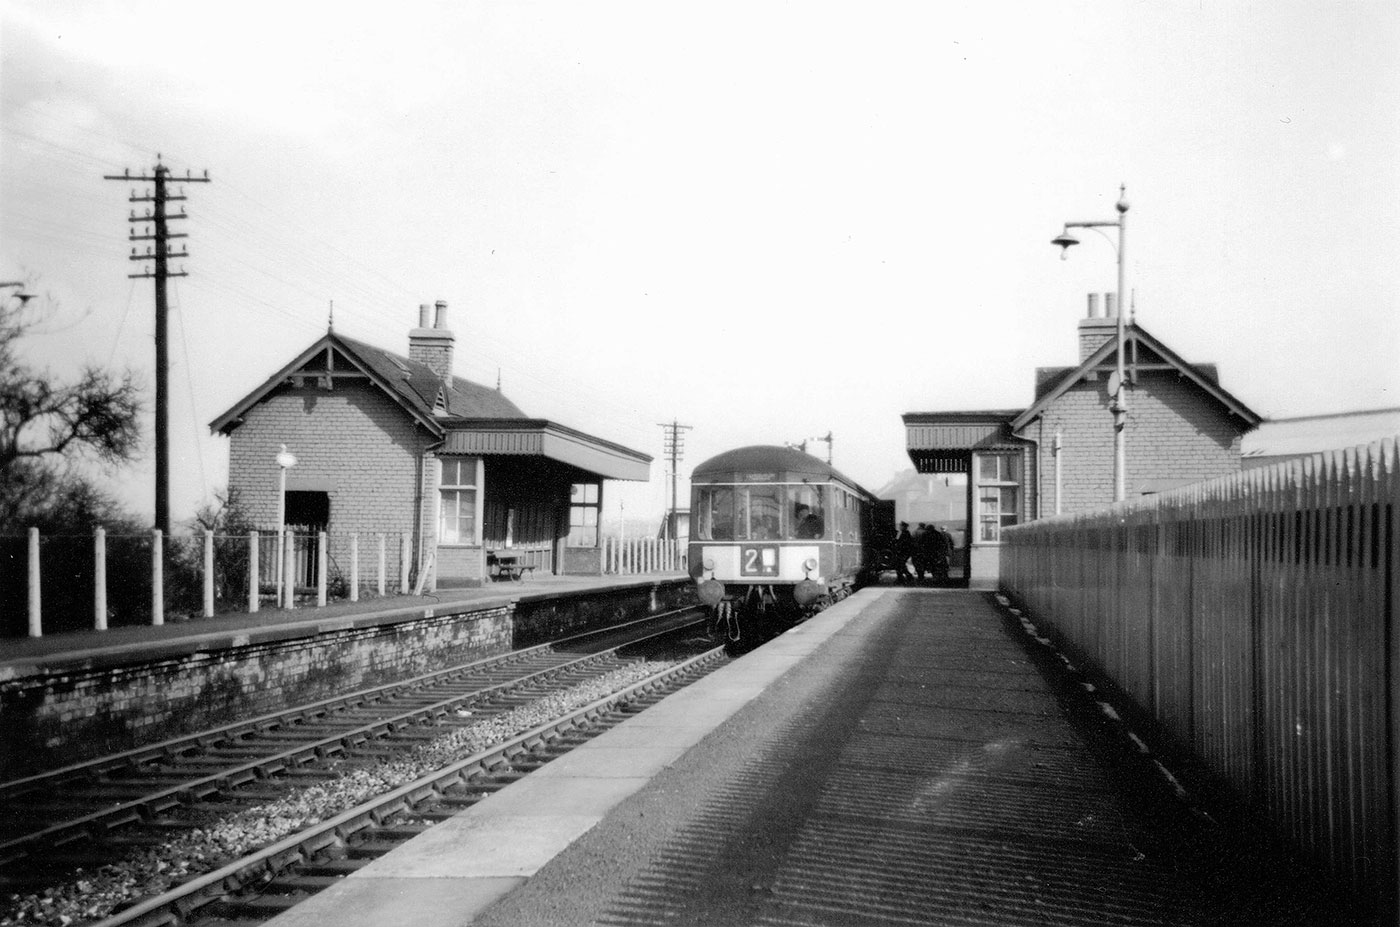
{"x": 307, "y": 514}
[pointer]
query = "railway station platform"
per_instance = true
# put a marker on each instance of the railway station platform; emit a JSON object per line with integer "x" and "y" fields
{"x": 24, "y": 656}
{"x": 909, "y": 756}
{"x": 73, "y": 697}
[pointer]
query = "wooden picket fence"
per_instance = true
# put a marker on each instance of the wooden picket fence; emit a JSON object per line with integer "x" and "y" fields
{"x": 271, "y": 570}
{"x": 626, "y": 556}
{"x": 1255, "y": 617}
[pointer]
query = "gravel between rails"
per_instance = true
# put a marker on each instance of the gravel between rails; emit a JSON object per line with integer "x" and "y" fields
{"x": 90, "y": 896}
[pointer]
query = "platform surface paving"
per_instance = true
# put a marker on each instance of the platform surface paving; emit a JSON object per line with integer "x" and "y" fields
{"x": 906, "y": 757}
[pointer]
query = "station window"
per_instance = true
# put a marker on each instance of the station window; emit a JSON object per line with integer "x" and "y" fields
{"x": 457, "y": 490}
{"x": 584, "y": 506}
{"x": 998, "y": 494}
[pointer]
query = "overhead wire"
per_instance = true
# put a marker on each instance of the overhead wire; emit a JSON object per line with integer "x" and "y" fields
{"x": 189, "y": 383}
{"x": 360, "y": 289}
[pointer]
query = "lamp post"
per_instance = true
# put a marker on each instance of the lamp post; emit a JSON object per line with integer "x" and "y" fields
{"x": 1117, "y": 397}
{"x": 285, "y": 462}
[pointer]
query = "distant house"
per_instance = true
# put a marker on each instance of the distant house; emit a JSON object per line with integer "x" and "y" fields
{"x": 1281, "y": 439}
{"x": 936, "y": 499}
{"x": 1057, "y": 455}
{"x": 395, "y": 445}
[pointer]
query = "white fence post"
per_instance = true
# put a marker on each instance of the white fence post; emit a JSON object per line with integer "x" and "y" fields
{"x": 321, "y": 564}
{"x": 252, "y": 572}
{"x": 404, "y": 561}
{"x": 157, "y": 577}
{"x": 382, "y": 565}
{"x": 208, "y": 573}
{"x": 354, "y": 567}
{"x": 289, "y": 578}
{"x": 36, "y": 607}
{"x": 99, "y": 579}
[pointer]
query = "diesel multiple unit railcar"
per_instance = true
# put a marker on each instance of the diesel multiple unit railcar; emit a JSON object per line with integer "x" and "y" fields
{"x": 776, "y": 534}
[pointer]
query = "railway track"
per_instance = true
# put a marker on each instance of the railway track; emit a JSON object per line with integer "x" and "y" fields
{"x": 80, "y": 818}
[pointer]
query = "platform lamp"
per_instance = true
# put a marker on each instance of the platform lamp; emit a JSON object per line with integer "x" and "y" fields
{"x": 285, "y": 461}
{"x": 1118, "y": 398}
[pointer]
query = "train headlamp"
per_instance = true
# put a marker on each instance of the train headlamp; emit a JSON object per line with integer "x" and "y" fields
{"x": 708, "y": 563}
{"x": 809, "y": 564}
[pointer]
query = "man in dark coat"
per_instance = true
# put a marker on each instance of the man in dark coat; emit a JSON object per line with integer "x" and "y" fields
{"x": 903, "y": 550}
{"x": 943, "y": 553}
{"x": 925, "y": 542}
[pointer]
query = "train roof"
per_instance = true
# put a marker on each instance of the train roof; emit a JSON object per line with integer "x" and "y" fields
{"x": 787, "y": 463}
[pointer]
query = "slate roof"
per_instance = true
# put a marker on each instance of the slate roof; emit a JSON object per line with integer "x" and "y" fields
{"x": 410, "y": 383}
{"x": 417, "y": 382}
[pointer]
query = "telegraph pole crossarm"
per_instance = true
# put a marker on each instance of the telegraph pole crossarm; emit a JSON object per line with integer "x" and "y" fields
{"x": 161, "y": 254}
{"x": 675, "y": 447}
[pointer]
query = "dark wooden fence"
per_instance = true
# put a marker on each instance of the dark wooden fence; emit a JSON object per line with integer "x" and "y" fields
{"x": 1255, "y": 617}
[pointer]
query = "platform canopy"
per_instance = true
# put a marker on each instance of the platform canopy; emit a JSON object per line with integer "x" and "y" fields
{"x": 543, "y": 438}
{"x": 943, "y": 442}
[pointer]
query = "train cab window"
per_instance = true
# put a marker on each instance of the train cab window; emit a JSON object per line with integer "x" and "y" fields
{"x": 714, "y": 513}
{"x": 761, "y": 512}
{"x": 807, "y": 512}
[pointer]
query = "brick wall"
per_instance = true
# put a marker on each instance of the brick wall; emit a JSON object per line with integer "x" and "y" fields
{"x": 54, "y": 719}
{"x": 548, "y": 618}
{"x": 354, "y": 443}
{"x": 1175, "y": 432}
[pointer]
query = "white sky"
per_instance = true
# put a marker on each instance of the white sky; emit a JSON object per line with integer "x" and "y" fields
{"x": 765, "y": 220}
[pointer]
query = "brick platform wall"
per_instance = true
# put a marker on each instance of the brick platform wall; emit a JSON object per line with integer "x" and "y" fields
{"x": 52, "y": 720}
{"x": 545, "y": 619}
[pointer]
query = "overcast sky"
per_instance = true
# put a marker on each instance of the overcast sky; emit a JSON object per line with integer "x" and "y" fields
{"x": 768, "y": 221}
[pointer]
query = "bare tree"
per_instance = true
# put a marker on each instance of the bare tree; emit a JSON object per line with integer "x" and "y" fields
{"x": 46, "y": 422}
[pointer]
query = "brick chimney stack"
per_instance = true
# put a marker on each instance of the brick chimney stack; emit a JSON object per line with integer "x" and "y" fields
{"x": 1095, "y": 329}
{"x": 433, "y": 346}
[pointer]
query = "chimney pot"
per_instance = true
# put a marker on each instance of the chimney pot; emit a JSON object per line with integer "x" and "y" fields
{"x": 1093, "y": 306}
{"x": 432, "y": 345}
{"x": 1110, "y": 305}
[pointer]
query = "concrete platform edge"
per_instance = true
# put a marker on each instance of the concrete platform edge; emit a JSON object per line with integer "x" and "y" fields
{"x": 465, "y": 862}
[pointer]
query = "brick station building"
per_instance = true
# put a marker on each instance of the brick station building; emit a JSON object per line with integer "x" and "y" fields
{"x": 1057, "y": 455}
{"x": 399, "y": 446}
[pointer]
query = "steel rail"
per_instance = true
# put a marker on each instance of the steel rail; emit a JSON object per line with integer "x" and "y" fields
{"x": 337, "y": 829}
{"x": 203, "y": 739}
{"x": 136, "y": 810}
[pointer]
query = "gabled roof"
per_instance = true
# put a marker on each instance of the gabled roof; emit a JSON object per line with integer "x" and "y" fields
{"x": 411, "y": 384}
{"x": 1052, "y": 383}
{"x": 469, "y": 417}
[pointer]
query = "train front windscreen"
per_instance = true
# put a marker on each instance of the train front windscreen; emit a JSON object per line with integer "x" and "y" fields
{"x": 760, "y": 512}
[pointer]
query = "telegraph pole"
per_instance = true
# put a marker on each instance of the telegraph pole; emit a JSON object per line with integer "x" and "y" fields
{"x": 675, "y": 447}
{"x": 155, "y": 220}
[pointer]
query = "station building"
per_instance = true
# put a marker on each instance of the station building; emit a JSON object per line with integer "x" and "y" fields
{"x": 1056, "y": 456}
{"x": 398, "y": 446}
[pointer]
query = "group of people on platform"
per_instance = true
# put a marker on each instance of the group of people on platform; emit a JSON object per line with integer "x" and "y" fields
{"x": 929, "y": 548}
